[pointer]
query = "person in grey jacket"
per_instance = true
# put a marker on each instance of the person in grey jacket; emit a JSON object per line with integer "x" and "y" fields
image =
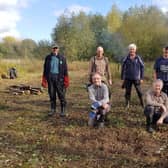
{"x": 99, "y": 97}
{"x": 156, "y": 110}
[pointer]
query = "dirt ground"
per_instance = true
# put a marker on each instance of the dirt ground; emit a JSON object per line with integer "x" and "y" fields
{"x": 30, "y": 139}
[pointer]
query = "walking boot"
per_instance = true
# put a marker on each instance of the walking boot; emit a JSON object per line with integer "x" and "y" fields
{"x": 141, "y": 102}
{"x": 149, "y": 125}
{"x": 53, "y": 109}
{"x": 63, "y": 112}
{"x": 52, "y": 112}
{"x": 127, "y": 105}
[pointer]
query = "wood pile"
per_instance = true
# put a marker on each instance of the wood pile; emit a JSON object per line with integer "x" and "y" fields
{"x": 24, "y": 89}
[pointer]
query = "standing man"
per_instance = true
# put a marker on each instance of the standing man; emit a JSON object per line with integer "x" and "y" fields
{"x": 161, "y": 69}
{"x": 132, "y": 73}
{"x": 100, "y": 64}
{"x": 55, "y": 74}
{"x": 99, "y": 97}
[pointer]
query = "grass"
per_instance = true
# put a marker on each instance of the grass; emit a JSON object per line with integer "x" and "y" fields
{"x": 29, "y": 139}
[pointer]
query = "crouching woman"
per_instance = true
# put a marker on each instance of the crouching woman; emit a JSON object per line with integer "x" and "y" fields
{"x": 156, "y": 110}
{"x": 99, "y": 96}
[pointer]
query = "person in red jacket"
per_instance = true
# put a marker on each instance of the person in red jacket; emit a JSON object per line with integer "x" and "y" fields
{"x": 55, "y": 76}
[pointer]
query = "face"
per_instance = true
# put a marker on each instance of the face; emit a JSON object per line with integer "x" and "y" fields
{"x": 132, "y": 51}
{"x": 165, "y": 53}
{"x": 100, "y": 51}
{"x": 96, "y": 79}
{"x": 55, "y": 50}
{"x": 157, "y": 88}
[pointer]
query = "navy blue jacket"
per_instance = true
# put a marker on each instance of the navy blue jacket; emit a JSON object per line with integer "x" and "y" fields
{"x": 132, "y": 69}
{"x": 161, "y": 68}
{"x": 63, "y": 70}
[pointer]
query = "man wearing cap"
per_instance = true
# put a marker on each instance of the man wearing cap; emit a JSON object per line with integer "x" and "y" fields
{"x": 55, "y": 74}
{"x": 132, "y": 73}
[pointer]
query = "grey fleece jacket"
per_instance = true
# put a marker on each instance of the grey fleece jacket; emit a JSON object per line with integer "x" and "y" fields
{"x": 99, "y": 93}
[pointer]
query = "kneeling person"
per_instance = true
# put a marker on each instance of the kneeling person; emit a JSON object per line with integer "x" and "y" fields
{"x": 156, "y": 110}
{"x": 99, "y": 96}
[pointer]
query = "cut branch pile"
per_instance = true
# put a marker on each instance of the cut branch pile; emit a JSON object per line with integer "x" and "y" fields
{"x": 24, "y": 89}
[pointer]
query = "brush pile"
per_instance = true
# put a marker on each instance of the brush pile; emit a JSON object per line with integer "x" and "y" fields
{"x": 25, "y": 89}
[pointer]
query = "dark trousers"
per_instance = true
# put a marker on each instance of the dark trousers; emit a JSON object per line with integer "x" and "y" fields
{"x": 128, "y": 87}
{"x": 165, "y": 87}
{"x": 152, "y": 114}
{"x": 56, "y": 87}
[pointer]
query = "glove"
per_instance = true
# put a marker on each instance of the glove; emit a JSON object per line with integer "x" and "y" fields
{"x": 66, "y": 81}
{"x": 44, "y": 82}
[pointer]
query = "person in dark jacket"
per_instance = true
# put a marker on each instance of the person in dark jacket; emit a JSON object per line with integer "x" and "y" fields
{"x": 55, "y": 75}
{"x": 132, "y": 73}
{"x": 161, "y": 69}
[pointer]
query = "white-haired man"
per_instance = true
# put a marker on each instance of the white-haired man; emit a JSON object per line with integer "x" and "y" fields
{"x": 156, "y": 110}
{"x": 132, "y": 73}
{"x": 99, "y": 97}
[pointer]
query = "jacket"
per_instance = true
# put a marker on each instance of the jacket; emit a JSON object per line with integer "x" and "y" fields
{"x": 132, "y": 69}
{"x": 63, "y": 70}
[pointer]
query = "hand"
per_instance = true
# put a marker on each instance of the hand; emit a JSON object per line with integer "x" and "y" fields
{"x": 160, "y": 121}
{"x": 110, "y": 82}
{"x": 163, "y": 108}
{"x": 105, "y": 106}
{"x": 141, "y": 81}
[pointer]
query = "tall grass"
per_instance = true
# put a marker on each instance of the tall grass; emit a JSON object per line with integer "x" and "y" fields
{"x": 25, "y": 66}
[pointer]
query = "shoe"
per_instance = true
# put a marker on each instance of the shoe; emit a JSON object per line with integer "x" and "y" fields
{"x": 63, "y": 112}
{"x": 150, "y": 129}
{"x": 91, "y": 122}
{"x": 101, "y": 125}
{"x": 52, "y": 112}
{"x": 127, "y": 105}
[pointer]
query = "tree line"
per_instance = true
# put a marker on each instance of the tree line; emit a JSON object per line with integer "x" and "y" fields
{"x": 78, "y": 35}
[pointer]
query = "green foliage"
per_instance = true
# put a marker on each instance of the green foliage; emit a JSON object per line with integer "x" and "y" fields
{"x": 147, "y": 28}
{"x": 74, "y": 35}
{"x": 42, "y": 49}
{"x": 78, "y": 35}
{"x": 114, "y": 19}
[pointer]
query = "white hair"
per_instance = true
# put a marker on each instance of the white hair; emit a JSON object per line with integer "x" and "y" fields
{"x": 100, "y": 48}
{"x": 132, "y": 46}
{"x": 158, "y": 81}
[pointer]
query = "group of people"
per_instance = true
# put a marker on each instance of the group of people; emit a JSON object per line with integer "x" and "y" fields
{"x": 55, "y": 76}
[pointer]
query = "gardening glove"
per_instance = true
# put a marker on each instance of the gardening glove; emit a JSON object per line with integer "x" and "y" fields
{"x": 44, "y": 82}
{"x": 66, "y": 81}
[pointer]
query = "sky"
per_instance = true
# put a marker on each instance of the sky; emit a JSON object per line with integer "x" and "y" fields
{"x": 35, "y": 19}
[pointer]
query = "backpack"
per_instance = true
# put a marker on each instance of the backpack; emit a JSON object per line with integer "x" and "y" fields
{"x": 12, "y": 73}
{"x": 94, "y": 67}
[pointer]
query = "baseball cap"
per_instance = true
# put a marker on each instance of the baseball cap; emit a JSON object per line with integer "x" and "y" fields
{"x": 55, "y": 46}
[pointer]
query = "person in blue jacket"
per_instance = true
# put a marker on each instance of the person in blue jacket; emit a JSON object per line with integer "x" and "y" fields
{"x": 55, "y": 74}
{"x": 132, "y": 73}
{"x": 161, "y": 69}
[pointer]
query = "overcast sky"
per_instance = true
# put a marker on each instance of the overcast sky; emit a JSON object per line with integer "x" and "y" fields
{"x": 35, "y": 19}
